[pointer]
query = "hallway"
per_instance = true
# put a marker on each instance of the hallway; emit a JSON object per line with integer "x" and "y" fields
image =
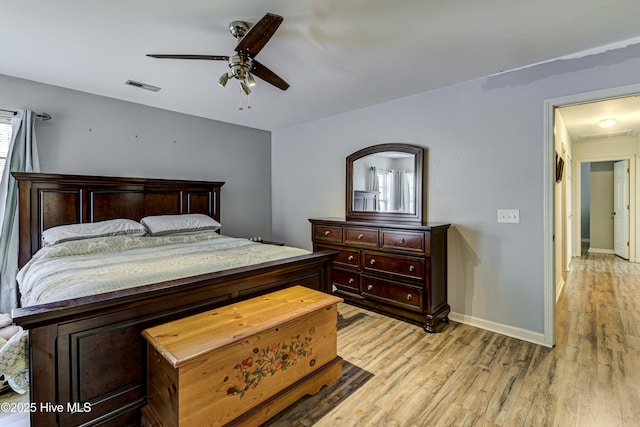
{"x": 598, "y": 335}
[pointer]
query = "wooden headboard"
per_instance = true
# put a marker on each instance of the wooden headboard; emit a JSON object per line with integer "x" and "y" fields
{"x": 47, "y": 200}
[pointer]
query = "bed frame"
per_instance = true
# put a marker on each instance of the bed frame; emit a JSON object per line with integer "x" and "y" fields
{"x": 87, "y": 353}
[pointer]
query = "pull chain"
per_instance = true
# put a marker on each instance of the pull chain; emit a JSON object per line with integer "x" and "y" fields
{"x": 248, "y": 100}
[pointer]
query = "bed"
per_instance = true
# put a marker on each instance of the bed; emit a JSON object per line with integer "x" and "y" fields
{"x": 87, "y": 357}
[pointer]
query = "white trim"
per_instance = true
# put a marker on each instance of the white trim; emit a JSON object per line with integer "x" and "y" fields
{"x": 548, "y": 205}
{"x": 601, "y": 251}
{"x": 548, "y": 182}
{"x": 510, "y": 331}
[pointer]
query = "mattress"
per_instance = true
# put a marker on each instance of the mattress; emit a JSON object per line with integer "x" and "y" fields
{"x": 91, "y": 266}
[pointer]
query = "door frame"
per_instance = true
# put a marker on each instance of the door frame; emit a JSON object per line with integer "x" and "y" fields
{"x": 577, "y": 231}
{"x": 548, "y": 194}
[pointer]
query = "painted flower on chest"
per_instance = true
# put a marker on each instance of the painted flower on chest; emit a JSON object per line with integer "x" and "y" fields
{"x": 246, "y": 364}
{"x": 270, "y": 360}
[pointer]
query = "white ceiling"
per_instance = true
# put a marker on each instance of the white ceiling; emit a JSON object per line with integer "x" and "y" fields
{"x": 337, "y": 55}
{"x": 583, "y": 121}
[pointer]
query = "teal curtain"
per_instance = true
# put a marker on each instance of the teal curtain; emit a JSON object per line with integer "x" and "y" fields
{"x": 22, "y": 156}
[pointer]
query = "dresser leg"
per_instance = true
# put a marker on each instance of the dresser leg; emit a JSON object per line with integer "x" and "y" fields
{"x": 432, "y": 322}
{"x": 429, "y": 328}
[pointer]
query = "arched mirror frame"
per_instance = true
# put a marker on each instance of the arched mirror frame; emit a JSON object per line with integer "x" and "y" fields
{"x": 377, "y": 216}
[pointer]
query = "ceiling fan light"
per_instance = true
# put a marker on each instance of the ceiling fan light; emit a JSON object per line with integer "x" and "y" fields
{"x": 245, "y": 88}
{"x": 222, "y": 81}
{"x": 251, "y": 82}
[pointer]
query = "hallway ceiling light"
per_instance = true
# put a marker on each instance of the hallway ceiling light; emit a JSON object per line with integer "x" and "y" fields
{"x": 607, "y": 123}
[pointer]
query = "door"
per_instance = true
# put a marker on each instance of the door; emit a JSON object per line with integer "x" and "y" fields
{"x": 621, "y": 208}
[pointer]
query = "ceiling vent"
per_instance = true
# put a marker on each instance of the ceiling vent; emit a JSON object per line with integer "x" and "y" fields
{"x": 607, "y": 135}
{"x": 142, "y": 85}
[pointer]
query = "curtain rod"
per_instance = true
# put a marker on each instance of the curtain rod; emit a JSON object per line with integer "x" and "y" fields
{"x": 43, "y": 116}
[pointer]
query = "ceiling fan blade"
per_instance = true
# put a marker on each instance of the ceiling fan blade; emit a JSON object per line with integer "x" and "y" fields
{"x": 258, "y": 35}
{"x": 206, "y": 57}
{"x": 268, "y": 76}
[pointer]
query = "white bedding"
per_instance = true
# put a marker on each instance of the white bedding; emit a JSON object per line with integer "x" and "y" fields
{"x": 91, "y": 266}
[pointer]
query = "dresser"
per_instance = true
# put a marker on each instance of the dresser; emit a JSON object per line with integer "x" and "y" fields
{"x": 398, "y": 269}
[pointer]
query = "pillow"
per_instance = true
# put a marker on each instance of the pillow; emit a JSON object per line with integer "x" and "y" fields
{"x": 88, "y": 230}
{"x": 161, "y": 225}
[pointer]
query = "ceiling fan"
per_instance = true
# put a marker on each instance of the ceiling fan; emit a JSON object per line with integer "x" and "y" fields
{"x": 242, "y": 65}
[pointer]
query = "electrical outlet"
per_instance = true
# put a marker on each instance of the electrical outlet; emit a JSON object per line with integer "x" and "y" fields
{"x": 509, "y": 215}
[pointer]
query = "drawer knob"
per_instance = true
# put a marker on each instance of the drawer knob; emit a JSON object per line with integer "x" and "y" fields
{"x": 411, "y": 268}
{"x": 401, "y": 240}
{"x": 350, "y": 258}
{"x": 409, "y": 297}
{"x": 373, "y": 261}
{"x": 360, "y": 236}
{"x": 370, "y": 287}
{"x": 326, "y": 233}
{"x": 351, "y": 280}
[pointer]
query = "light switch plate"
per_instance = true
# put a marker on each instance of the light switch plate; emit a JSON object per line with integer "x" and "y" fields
{"x": 509, "y": 216}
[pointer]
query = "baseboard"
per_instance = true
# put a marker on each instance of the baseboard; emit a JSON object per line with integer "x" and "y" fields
{"x": 510, "y": 331}
{"x": 601, "y": 251}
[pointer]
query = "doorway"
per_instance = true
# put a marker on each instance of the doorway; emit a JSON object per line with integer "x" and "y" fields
{"x": 554, "y": 205}
{"x": 603, "y": 206}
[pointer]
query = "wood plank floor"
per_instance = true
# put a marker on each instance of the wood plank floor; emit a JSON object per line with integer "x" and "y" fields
{"x": 396, "y": 375}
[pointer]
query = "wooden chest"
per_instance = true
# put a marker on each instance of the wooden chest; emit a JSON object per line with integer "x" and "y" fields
{"x": 243, "y": 363}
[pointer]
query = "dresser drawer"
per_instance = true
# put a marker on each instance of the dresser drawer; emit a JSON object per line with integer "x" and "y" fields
{"x": 327, "y": 233}
{"x": 346, "y": 280}
{"x": 361, "y": 236}
{"x": 398, "y": 294}
{"x": 349, "y": 258}
{"x": 394, "y": 265}
{"x": 402, "y": 240}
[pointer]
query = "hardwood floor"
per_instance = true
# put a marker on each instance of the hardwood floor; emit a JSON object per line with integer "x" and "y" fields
{"x": 10, "y": 416}
{"x": 396, "y": 375}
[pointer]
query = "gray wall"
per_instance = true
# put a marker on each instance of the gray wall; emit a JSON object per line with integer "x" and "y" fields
{"x": 96, "y": 135}
{"x": 485, "y": 151}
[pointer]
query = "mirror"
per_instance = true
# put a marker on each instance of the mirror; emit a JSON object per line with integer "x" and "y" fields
{"x": 384, "y": 183}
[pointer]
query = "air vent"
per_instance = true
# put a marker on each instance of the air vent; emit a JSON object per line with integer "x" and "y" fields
{"x": 142, "y": 85}
{"x": 607, "y": 135}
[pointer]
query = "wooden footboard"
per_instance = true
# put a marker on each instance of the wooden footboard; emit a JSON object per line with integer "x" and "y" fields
{"x": 88, "y": 359}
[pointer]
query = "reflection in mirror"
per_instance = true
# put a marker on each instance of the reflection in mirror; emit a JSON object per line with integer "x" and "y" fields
{"x": 384, "y": 182}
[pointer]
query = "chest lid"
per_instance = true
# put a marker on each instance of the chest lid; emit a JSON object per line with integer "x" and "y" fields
{"x": 187, "y": 339}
